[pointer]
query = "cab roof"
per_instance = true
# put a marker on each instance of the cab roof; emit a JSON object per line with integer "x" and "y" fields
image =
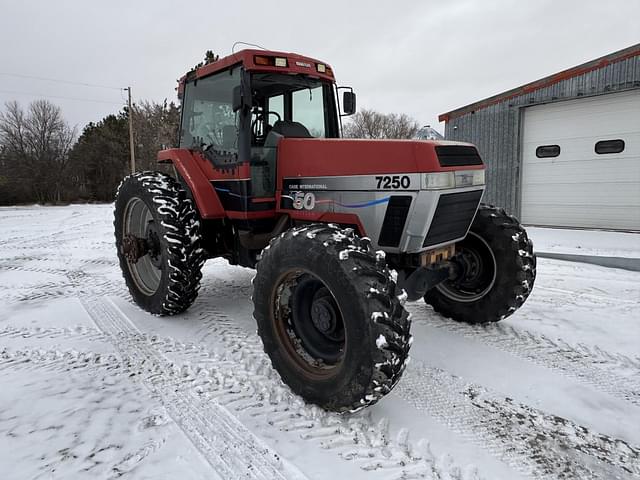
{"x": 263, "y": 61}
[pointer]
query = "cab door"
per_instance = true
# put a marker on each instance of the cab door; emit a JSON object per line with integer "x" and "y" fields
{"x": 264, "y": 153}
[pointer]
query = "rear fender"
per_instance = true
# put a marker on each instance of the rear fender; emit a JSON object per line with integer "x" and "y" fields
{"x": 203, "y": 193}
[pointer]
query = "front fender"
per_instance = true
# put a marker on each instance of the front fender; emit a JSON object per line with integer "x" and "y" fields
{"x": 205, "y": 196}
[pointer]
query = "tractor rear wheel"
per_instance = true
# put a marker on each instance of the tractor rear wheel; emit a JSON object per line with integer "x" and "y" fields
{"x": 497, "y": 270}
{"x": 330, "y": 317}
{"x": 158, "y": 242}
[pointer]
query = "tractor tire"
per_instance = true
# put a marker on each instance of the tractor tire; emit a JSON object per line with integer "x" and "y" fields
{"x": 330, "y": 317}
{"x": 499, "y": 268}
{"x": 154, "y": 210}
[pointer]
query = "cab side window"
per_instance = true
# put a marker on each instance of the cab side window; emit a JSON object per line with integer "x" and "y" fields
{"x": 308, "y": 109}
{"x": 276, "y": 109}
{"x": 208, "y": 118}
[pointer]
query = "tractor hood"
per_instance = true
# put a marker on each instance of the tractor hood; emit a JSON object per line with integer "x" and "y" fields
{"x": 314, "y": 157}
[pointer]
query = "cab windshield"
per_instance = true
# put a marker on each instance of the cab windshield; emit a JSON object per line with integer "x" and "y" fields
{"x": 293, "y": 106}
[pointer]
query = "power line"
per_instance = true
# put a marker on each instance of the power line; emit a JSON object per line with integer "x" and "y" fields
{"x": 68, "y": 82}
{"x": 59, "y": 97}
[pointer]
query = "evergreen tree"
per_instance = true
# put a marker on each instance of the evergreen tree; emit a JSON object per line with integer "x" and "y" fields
{"x": 100, "y": 158}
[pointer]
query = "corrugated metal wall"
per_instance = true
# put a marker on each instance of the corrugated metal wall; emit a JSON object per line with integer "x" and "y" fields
{"x": 496, "y": 128}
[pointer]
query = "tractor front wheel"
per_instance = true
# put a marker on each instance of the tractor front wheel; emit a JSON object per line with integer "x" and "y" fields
{"x": 330, "y": 317}
{"x": 497, "y": 269}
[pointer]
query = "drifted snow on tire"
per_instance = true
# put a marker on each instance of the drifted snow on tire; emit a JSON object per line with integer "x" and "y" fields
{"x": 515, "y": 276}
{"x": 383, "y": 354}
{"x": 179, "y": 227}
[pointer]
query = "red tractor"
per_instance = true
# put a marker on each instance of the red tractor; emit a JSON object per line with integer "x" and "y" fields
{"x": 340, "y": 231}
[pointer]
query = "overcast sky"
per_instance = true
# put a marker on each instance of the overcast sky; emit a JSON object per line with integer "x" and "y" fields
{"x": 422, "y": 58}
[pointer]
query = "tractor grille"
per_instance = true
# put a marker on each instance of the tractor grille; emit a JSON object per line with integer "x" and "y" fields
{"x": 394, "y": 220}
{"x": 453, "y": 216}
{"x": 457, "y": 155}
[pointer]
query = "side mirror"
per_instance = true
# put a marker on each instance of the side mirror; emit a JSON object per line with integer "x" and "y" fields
{"x": 238, "y": 101}
{"x": 349, "y": 103}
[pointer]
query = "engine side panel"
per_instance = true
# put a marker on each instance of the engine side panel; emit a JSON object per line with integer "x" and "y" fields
{"x": 318, "y": 178}
{"x": 396, "y": 220}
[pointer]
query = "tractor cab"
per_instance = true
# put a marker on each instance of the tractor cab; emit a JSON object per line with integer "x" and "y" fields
{"x": 235, "y": 112}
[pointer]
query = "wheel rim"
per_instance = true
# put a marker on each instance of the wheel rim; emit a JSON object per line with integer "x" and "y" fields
{"x": 479, "y": 271}
{"x": 309, "y": 324}
{"x": 139, "y": 223}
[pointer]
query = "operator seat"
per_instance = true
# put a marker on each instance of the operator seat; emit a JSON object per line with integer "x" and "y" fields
{"x": 291, "y": 129}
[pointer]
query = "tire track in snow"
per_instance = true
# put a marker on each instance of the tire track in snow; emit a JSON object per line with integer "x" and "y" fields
{"x": 253, "y": 390}
{"x": 528, "y": 440}
{"x": 355, "y": 439}
{"x": 75, "y": 281}
{"x": 92, "y": 287}
{"x": 56, "y": 359}
{"x": 79, "y": 331}
{"x": 231, "y": 449}
{"x": 94, "y": 366}
{"x": 239, "y": 376}
{"x": 55, "y": 238}
{"x": 590, "y": 365}
{"x": 599, "y": 299}
{"x": 32, "y": 269}
{"x": 19, "y": 267}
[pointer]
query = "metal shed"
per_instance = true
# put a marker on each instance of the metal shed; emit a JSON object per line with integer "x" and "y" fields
{"x": 564, "y": 150}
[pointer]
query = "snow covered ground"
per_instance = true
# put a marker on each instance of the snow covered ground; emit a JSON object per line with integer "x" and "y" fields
{"x": 93, "y": 387}
{"x": 586, "y": 242}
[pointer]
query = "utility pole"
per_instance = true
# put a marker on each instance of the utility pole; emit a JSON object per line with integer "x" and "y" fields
{"x": 131, "y": 148}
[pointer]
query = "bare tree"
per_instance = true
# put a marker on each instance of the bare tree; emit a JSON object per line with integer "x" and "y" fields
{"x": 36, "y": 146}
{"x": 156, "y": 127}
{"x": 372, "y": 124}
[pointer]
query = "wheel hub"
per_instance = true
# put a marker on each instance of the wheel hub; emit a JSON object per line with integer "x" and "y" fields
{"x": 133, "y": 248}
{"x": 472, "y": 265}
{"x": 476, "y": 272}
{"x": 314, "y": 320}
{"x": 153, "y": 244}
{"x": 323, "y": 315}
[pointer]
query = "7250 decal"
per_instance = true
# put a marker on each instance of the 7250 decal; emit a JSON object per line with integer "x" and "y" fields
{"x": 388, "y": 182}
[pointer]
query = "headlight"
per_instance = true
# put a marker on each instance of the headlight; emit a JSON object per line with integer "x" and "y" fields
{"x": 469, "y": 178}
{"x": 458, "y": 179}
{"x": 478, "y": 177}
{"x": 438, "y": 181}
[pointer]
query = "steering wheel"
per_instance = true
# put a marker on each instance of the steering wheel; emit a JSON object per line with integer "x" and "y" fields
{"x": 274, "y": 113}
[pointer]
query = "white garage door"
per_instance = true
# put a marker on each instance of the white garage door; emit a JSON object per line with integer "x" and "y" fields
{"x": 565, "y": 181}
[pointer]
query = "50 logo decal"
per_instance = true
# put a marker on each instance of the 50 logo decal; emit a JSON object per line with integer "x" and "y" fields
{"x": 303, "y": 200}
{"x": 308, "y": 201}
